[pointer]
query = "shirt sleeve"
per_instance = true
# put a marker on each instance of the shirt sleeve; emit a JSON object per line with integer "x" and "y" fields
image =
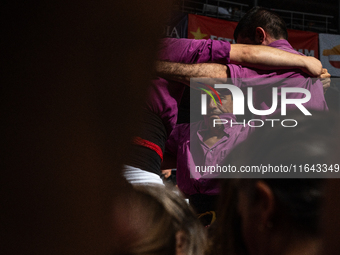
{"x": 194, "y": 51}
{"x": 243, "y": 77}
{"x": 171, "y": 145}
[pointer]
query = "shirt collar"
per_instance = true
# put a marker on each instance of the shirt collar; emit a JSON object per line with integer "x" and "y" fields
{"x": 282, "y": 43}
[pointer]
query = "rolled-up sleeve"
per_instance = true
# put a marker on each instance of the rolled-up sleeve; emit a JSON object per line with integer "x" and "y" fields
{"x": 194, "y": 51}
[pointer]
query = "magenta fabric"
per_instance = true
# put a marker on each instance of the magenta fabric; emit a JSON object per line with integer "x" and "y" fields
{"x": 262, "y": 83}
{"x": 186, "y": 136}
{"x": 164, "y": 96}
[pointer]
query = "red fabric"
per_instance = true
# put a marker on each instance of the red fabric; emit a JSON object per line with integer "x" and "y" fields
{"x": 201, "y": 27}
{"x": 150, "y": 145}
{"x": 304, "y": 41}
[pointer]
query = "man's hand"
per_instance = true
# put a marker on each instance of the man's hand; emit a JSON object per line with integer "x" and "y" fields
{"x": 166, "y": 173}
{"x": 325, "y": 79}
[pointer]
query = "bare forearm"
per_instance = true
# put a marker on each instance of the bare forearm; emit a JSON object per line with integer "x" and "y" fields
{"x": 183, "y": 72}
{"x": 269, "y": 58}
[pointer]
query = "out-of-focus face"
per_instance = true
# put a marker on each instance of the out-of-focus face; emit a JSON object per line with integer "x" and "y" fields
{"x": 214, "y": 110}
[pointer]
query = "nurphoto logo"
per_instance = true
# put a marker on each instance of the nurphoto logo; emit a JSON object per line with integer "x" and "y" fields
{"x": 239, "y": 102}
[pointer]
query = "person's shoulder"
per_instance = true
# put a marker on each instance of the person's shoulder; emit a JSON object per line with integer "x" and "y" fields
{"x": 176, "y": 41}
{"x": 239, "y": 71}
{"x": 283, "y": 44}
{"x": 235, "y": 70}
{"x": 182, "y": 126}
{"x": 181, "y": 130}
{"x": 196, "y": 126}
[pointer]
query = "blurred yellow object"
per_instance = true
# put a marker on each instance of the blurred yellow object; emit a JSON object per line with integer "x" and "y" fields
{"x": 212, "y": 213}
{"x": 334, "y": 51}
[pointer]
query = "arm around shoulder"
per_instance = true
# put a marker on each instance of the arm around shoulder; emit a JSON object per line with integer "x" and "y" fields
{"x": 183, "y": 72}
{"x": 269, "y": 58}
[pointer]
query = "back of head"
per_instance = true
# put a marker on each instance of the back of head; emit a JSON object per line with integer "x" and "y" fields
{"x": 297, "y": 201}
{"x": 273, "y": 24}
{"x": 161, "y": 222}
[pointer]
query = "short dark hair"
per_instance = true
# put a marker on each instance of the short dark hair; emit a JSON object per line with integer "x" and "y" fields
{"x": 272, "y": 23}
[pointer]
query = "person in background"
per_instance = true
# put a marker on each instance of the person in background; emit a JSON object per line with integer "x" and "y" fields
{"x": 201, "y": 144}
{"x": 160, "y": 113}
{"x": 213, "y": 146}
{"x": 258, "y": 27}
{"x": 280, "y": 215}
{"x": 162, "y": 223}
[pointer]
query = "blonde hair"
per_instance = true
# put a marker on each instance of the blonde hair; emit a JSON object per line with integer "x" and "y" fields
{"x": 158, "y": 215}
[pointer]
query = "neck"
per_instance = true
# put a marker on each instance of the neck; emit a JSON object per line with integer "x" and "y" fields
{"x": 215, "y": 131}
{"x": 269, "y": 40}
{"x": 212, "y": 136}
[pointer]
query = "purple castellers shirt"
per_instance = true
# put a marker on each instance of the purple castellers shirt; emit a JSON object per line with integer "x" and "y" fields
{"x": 180, "y": 142}
{"x": 164, "y": 96}
{"x": 262, "y": 83}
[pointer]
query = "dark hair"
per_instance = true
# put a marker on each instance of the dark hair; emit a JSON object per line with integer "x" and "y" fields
{"x": 272, "y": 23}
{"x": 298, "y": 201}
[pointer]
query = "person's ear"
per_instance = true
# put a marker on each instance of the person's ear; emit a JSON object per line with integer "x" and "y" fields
{"x": 260, "y": 35}
{"x": 181, "y": 243}
{"x": 265, "y": 203}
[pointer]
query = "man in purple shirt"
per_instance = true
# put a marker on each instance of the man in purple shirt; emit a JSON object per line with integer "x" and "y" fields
{"x": 198, "y": 149}
{"x": 201, "y": 153}
{"x": 163, "y": 95}
{"x": 163, "y": 98}
{"x": 262, "y": 27}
